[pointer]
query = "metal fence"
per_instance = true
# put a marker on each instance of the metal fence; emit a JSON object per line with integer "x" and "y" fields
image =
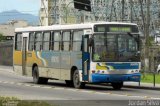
{"x": 151, "y": 77}
{"x": 6, "y": 53}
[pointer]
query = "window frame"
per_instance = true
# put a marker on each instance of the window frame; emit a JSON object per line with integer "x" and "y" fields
{"x": 44, "y": 41}
{"x": 75, "y": 41}
{"x": 16, "y": 41}
{"x": 64, "y": 41}
{"x": 31, "y": 49}
{"x": 52, "y": 41}
{"x": 41, "y": 42}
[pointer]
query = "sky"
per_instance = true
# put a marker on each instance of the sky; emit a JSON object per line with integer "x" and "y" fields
{"x": 24, "y": 6}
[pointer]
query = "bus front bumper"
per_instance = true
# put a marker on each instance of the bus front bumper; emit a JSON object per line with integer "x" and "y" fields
{"x": 109, "y": 78}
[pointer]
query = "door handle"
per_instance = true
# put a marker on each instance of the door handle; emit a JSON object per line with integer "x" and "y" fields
{"x": 85, "y": 61}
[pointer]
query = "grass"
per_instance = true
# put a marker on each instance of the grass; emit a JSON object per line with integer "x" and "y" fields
{"x": 12, "y": 101}
{"x": 149, "y": 78}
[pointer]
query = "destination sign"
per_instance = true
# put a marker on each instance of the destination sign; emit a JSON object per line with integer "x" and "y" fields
{"x": 101, "y": 29}
{"x": 119, "y": 29}
{"x": 116, "y": 28}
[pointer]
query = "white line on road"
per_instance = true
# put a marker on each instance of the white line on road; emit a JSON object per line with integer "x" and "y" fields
{"x": 77, "y": 90}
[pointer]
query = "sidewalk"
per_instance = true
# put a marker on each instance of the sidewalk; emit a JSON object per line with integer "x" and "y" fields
{"x": 6, "y": 68}
{"x": 142, "y": 85}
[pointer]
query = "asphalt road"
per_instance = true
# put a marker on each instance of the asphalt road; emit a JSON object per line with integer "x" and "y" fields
{"x": 22, "y": 87}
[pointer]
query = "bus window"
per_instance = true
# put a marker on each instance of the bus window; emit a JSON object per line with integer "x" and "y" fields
{"x": 66, "y": 41}
{"x": 18, "y": 41}
{"x": 56, "y": 38}
{"x": 77, "y": 40}
{"x": 31, "y": 41}
{"x": 38, "y": 41}
{"x": 46, "y": 40}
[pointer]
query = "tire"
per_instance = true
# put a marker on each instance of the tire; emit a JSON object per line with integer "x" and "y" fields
{"x": 117, "y": 86}
{"x": 36, "y": 78}
{"x": 69, "y": 83}
{"x": 76, "y": 82}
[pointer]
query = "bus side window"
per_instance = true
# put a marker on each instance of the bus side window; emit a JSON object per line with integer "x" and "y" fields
{"x": 18, "y": 41}
{"x": 56, "y": 38}
{"x": 38, "y": 41}
{"x": 66, "y": 41}
{"x": 77, "y": 40}
{"x": 46, "y": 40}
{"x": 31, "y": 41}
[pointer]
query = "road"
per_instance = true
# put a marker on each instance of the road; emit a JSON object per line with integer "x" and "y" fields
{"x": 22, "y": 87}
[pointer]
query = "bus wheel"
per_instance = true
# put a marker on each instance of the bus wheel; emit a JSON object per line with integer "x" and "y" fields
{"x": 76, "y": 81}
{"x": 36, "y": 78}
{"x": 69, "y": 83}
{"x": 117, "y": 86}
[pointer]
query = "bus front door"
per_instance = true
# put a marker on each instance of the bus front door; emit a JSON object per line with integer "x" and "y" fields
{"x": 24, "y": 55}
{"x": 85, "y": 59}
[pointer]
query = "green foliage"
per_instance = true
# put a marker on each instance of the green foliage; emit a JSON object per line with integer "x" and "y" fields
{"x": 150, "y": 41}
{"x": 33, "y": 103}
{"x": 12, "y": 101}
{"x": 1, "y": 37}
{"x": 148, "y": 78}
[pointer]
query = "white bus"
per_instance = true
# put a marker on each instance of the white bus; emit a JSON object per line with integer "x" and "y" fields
{"x": 104, "y": 52}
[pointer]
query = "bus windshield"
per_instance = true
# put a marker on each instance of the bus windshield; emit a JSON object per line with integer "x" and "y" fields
{"x": 116, "y": 48}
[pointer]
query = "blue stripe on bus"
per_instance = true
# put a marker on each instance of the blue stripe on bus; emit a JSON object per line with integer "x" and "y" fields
{"x": 124, "y": 65}
{"x": 108, "y": 78}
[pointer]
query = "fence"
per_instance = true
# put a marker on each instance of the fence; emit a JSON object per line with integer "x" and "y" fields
{"x": 151, "y": 77}
{"x": 6, "y": 53}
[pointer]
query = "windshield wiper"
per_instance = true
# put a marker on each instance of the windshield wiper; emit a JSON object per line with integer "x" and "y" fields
{"x": 135, "y": 38}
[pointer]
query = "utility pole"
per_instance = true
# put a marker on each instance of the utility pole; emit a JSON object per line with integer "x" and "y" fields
{"x": 111, "y": 11}
{"x": 123, "y": 2}
{"x": 147, "y": 37}
{"x": 55, "y": 12}
{"x": 131, "y": 12}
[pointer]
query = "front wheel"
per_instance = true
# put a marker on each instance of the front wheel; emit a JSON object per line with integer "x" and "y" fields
{"x": 117, "y": 85}
{"x": 76, "y": 82}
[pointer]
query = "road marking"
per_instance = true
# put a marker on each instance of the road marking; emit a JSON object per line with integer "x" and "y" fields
{"x": 46, "y": 87}
{"x": 19, "y": 84}
{"x": 147, "y": 97}
{"x": 36, "y": 86}
{"x": 11, "y": 82}
{"x": 76, "y": 90}
{"x": 27, "y": 85}
{"x": 5, "y": 82}
{"x": 155, "y": 98}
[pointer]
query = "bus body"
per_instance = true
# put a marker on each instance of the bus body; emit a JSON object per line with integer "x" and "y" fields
{"x": 105, "y": 52}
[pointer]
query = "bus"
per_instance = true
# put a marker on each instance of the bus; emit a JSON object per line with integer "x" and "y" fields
{"x": 102, "y": 52}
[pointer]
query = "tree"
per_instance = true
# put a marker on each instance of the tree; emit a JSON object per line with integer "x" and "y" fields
{"x": 1, "y": 37}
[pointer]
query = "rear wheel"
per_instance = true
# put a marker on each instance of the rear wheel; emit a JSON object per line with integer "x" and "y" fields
{"x": 76, "y": 81}
{"x": 36, "y": 78}
{"x": 117, "y": 85}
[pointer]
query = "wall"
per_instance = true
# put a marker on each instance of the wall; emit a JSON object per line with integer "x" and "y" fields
{"x": 6, "y": 53}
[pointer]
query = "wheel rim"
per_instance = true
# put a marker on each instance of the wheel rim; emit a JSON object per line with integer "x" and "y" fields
{"x": 35, "y": 76}
{"x": 76, "y": 80}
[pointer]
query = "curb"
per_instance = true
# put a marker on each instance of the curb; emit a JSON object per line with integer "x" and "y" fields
{"x": 142, "y": 87}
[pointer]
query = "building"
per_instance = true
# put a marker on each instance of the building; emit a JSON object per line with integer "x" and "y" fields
{"x": 8, "y": 29}
{"x": 63, "y": 11}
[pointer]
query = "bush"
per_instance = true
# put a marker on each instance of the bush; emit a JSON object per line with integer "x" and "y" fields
{"x": 12, "y": 101}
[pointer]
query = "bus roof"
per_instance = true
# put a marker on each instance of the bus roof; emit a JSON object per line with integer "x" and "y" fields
{"x": 67, "y": 27}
